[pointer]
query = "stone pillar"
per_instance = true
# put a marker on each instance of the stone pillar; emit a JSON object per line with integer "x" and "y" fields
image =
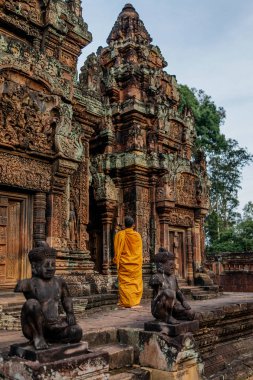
{"x": 39, "y": 218}
{"x": 189, "y": 249}
{"x": 107, "y": 248}
{"x": 152, "y": 218}
{"x": 107, "y": 218}
{"x": 84, "y": 200}
{"x": 164, "y": 234}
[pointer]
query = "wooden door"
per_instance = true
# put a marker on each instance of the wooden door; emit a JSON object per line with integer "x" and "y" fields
{"x": 14, "y": 238}
{"x": 177, "y": 245}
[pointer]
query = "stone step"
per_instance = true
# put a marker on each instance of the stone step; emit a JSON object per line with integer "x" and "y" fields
{"x": 12, "y": 308}
{"x": 204, "y": 296}
{"x": 120, "y": 355}
{"x": 200, "y": 292}
{"x": 100, "y": 337}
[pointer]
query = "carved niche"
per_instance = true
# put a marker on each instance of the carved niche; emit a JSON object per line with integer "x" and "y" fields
{"x": 103, "y": 185}
{"x": 186, "y": 189}
{"x": 152, "y": 140}
{"x": 176, "y": 131}
{"x": 165, "y": 190}
{"x": 135, "y": 138}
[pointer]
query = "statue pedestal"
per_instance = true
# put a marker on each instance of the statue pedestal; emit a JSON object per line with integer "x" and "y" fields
{"x": 59, "y": 361}
{"x": 53, "y": 353}
{"x": 182, "y": 327}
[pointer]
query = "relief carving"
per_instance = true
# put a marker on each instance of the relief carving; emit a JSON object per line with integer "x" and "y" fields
{"x": 178, "y": 217}
{"x": 104, "y": 188}
{"x": 24, "y": 173}
{"x": 176, "y": 131}
{"x": 22, "y": 57}
{"x": 30, "y": 9}
{"x": 186, "y": 189}
{"x": 69, "y": 134}
{"x": 72, "y": 224}
{"x": 165, "y": 189}
{"x": 103, "y": 185}
{"x": 152, "y": 141}
{"x": 135, "y": 138}
{"x": 27, "y": 118}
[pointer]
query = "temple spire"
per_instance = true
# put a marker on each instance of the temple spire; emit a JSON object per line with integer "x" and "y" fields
{"x": 129, "y": 27}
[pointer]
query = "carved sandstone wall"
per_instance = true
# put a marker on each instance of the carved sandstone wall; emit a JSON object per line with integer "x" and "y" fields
{"x": 43, "y": 140}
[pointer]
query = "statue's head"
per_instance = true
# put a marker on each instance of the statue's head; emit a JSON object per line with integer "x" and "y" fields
{"x": 165, "y": 261}
{"x": 42, "y": 260}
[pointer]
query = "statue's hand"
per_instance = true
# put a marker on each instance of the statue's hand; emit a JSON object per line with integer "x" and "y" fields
{"x": 71, "y": 319}
{"x": 186, "y": 305}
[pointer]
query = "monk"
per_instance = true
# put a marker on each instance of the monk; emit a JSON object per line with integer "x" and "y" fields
{"x": 128, "y": 258}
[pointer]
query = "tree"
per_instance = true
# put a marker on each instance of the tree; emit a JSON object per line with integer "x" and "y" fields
{"x": 225, "y": 166}
{"x": 208, "y": 118}
{"x": 248, "y": 211}
{"x": 237, "y": 238}
{"x": 225, "y": 161}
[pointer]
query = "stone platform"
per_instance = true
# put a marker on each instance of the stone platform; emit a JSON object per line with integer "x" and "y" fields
{"x": 53, "y": 353}
{"x": 172, "y": 330}
{"x": 223, "y": 343}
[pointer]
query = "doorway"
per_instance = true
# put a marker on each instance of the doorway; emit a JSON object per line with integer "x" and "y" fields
{"x": 15, "y": 238}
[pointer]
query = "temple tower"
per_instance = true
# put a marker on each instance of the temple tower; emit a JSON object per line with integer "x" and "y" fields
{"x": 141, "y": 151}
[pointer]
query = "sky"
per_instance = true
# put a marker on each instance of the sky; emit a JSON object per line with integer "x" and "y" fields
{"x": 207, "y": 45}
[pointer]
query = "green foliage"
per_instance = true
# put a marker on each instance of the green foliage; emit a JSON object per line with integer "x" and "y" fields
{"x": 248, "y": 211}
{"x": 225, "y": 168}
{"x": 208, "y": 118}
{"x": 238, "y": 238}
{"x": 225, "y": 161}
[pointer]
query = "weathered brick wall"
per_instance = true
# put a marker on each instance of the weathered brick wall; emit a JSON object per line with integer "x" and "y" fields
{"x": 236, "y": 281}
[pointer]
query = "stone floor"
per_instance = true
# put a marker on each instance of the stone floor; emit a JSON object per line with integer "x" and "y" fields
{"x": 134, "y": 318}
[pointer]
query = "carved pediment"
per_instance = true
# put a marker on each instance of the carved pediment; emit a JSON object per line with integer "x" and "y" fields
{"x": 27, "y": 117}
{"x": 35, "y": 121}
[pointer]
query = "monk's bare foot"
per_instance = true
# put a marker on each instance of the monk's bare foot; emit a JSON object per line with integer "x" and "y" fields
{"x": 172, "y": 321}
{"x": 136, "y": 307}
{"x": 40, "y": 343}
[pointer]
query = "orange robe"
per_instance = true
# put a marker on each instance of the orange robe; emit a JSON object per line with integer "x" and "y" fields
{"x": 128, "y": 258}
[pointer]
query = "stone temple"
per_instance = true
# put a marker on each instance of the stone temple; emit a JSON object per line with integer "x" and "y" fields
{"x": 76, "y": 156}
